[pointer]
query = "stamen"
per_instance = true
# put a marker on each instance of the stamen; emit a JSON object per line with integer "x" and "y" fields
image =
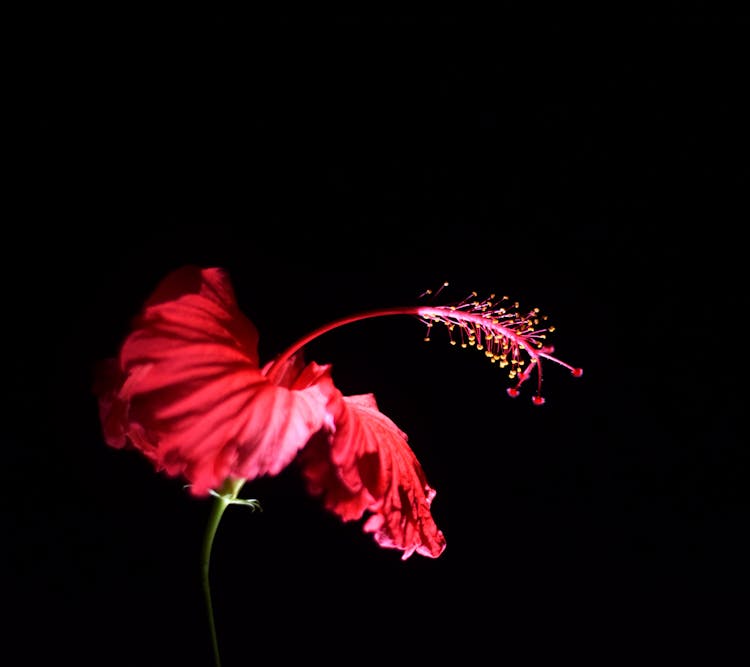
{"x": 504, "y": 335}
{"x": 429, "y": 292}
{"x": 441, "y": 288}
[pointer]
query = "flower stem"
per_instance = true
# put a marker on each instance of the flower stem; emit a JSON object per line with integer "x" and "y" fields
{"x": 223, "y": 499}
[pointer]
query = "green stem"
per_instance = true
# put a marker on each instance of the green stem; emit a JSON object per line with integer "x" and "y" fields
{"x": 221, "y": 501}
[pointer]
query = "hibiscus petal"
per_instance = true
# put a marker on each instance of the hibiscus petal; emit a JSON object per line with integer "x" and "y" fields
{"x": 189, "y": 394}
{"x": 370, "y": 467}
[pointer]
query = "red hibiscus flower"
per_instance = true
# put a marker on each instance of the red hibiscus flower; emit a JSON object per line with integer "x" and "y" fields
{"x": 187, "y": 390}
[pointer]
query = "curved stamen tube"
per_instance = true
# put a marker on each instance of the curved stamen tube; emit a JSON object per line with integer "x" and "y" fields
{"x": 507, "y": 337}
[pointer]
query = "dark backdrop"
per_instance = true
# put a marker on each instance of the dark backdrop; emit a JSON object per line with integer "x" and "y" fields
{"x": 591, "y": 165}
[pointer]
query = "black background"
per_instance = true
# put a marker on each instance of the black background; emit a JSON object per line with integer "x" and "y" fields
{"x": 593, "y": 165}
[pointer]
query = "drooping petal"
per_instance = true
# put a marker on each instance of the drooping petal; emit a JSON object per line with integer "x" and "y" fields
{"x": 369, "y": 467}
{"x": 189, "y": 394}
